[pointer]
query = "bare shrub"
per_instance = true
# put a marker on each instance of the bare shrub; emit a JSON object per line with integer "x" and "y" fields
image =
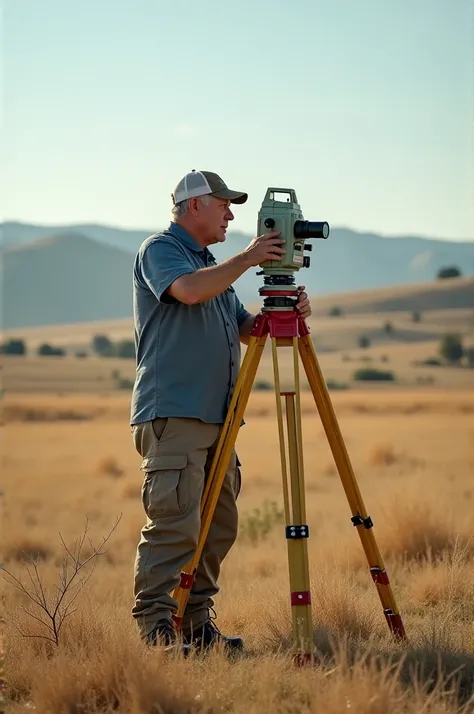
{"x": 51, "y": 608}
{"x": 382, "y": 455}
{"x": 109, "y": 466}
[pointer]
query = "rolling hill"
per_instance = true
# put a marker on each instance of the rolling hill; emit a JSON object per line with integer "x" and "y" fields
{"x": 62, "y": 275}
{"x": 66, "y": 278}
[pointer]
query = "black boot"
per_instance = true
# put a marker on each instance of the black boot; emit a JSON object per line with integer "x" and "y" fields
{"x": 164, "y": 634}
{"x": 209, "y": 635}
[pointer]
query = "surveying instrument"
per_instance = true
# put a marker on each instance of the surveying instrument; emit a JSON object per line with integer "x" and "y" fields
{"x": 279, "y": 318}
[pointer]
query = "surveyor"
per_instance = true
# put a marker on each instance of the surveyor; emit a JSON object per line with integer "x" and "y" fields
{"x": 189, "y": 325}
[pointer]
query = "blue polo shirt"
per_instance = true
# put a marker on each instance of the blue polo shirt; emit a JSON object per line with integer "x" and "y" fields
{"x": 188, "y": 356}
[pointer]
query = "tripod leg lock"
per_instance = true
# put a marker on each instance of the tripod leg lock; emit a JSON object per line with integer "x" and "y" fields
{"x": 187, "y": 580}
{"x": 293, "y": 532}
{"x": 360, "y": 521}
{"x": 379, "y": 576}
{"x": 302, "y": 597}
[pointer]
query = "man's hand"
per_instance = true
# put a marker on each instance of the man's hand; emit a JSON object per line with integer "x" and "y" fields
{"x": 264, "y": 247}
{"x": 303, "y": 306}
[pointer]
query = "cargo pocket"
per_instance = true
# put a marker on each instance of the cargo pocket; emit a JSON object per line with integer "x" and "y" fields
{"x": 165, "y": 493}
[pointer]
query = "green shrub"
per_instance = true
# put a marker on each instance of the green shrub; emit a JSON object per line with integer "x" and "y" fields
{"x": 46, "y": 350}
{"x": 334, "y": 385}
{"x": 257, "y": 525}
{"x": 371, "y": 374}
{"x": 13, "y": 347}
{"x": 451, "y": 348}
{"x": 125, "y": 383}
{"x": 262, "y": 385}
{"x": 125, "y": 349}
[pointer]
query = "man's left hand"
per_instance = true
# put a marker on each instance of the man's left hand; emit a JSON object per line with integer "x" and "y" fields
{"x": 303, "y": 306}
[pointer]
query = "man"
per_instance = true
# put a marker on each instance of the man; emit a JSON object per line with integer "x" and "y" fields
{"x": 189, "y": 324}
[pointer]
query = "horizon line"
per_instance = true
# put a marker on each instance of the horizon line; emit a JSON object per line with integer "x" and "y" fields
{"x": 113, "y": 226}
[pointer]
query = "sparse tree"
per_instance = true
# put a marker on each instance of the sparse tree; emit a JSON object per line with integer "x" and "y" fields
{"x": 125, "y": 349}
{"x": 103, "y": 346}
{"x": 364, "y": 342}
{"x": 13, "y": 347}
{"x": 416, "y": 316}
{"x": 451, "y": 348}
{"x": 450, "y": 271}
{"x": 47, "y": 350}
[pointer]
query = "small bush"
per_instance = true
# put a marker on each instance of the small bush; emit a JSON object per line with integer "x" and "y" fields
{"x": 124, "y": 383}
{"x": 450, "y": 271}
{"x": 370, "y": 374}
{"x": 388, "y": 328}
{"x": 13, "y": 347}
{"x": 335, "y": 311}
{"x": 451, "y": 348}
{"x": 333, "y": 385}
{"x": 103, "y": 346}
{"x": 432, "y": 362}
{"x": 262, "y": 385}
{"x": 125, "y": 349}
{"x": 47, "y": 350}
{"x": 255, "y": 526}
{"x": 109, "y": 466}
{"x": 382, "y": 455}
{"x": 364, "y": 342}
{"x": 425, "y": 380}
{"x": 416, "y": 316}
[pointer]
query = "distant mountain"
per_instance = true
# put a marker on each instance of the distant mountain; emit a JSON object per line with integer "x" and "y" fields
{"x": 65, "y": 278}
{"x": 65, "y": 274}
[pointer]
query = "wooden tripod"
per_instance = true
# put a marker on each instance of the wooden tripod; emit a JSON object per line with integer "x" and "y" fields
{"x": 287, "y": 328}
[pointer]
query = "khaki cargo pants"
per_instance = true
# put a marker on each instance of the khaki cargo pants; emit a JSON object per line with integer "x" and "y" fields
{"x": 176, "y": 457}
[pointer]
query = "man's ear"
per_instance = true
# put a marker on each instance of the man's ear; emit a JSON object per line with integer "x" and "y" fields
{"x": 194, "y": 206}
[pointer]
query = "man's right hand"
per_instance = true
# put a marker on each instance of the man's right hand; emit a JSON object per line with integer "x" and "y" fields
{"x": 264, "y": 247}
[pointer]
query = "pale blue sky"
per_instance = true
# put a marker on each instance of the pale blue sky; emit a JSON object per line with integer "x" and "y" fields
{"x": 365, "y": 107}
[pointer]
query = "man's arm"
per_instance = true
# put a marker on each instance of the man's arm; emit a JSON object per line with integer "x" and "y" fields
{"x": 206, "y": 283}
{"x": 246, "y": 328}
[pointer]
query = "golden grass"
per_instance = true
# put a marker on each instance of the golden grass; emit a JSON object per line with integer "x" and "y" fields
{"x": 413, "y": 455}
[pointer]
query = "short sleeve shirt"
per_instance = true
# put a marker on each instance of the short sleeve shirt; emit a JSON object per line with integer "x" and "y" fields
{"x": 187, "y": 356}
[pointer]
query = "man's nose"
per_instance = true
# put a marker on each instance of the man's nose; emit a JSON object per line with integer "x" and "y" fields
{"x": 230, "y": 215}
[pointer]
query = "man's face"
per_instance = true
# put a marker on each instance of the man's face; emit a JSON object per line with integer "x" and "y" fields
{"x": 213, "y": 219}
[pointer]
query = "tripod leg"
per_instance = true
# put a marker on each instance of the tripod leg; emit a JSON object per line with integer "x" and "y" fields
{"x": 219, "y": 466}
{"x": 296, "y": 529}
{"x": 360, "y": 519}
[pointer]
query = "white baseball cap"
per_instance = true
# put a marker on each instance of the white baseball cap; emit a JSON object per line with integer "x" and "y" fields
{"x": 205, "y": 183}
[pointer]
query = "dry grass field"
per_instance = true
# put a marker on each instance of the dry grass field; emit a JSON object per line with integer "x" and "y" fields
{"x": 68, "y": 460}
{"x": 398, "y": 343}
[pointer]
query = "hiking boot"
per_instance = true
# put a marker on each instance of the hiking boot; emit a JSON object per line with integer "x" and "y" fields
{"x": 164, "y": 634}
{"x": 209, "y": 635}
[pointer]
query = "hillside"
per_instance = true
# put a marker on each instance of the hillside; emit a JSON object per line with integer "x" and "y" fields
{"x": 69, "y": 276}
{"x": 62, "y": 279}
